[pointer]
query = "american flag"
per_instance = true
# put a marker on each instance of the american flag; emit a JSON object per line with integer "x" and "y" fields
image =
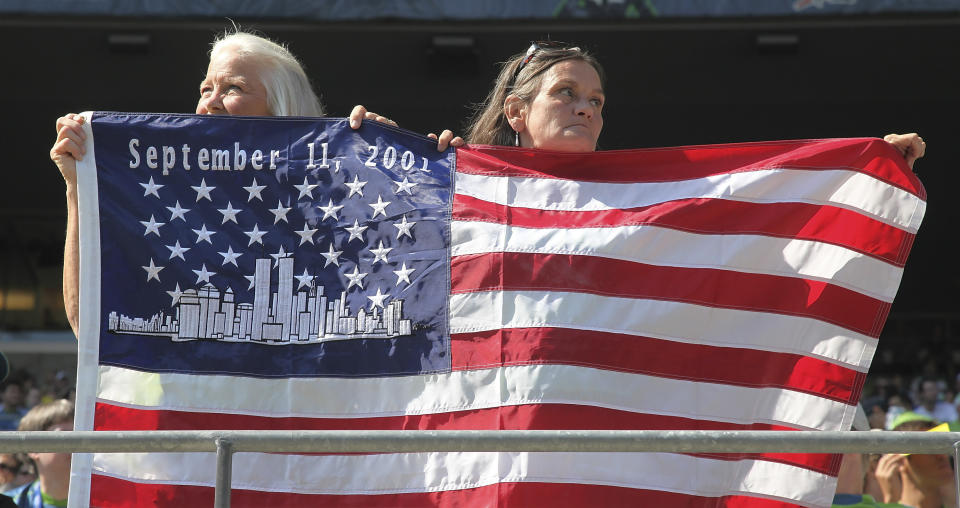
{"x": 714, "y": 287}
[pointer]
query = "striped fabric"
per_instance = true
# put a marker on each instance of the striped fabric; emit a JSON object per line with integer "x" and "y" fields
{"x": 734, "y": 287}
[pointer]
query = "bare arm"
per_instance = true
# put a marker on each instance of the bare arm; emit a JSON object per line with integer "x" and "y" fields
{"x": 67, "y": 149}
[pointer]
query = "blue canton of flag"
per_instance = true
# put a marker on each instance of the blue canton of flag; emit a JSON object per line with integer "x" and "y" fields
{"x": 323, "y": 253}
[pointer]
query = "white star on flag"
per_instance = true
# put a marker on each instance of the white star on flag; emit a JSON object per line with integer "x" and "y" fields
{"x": 333, "y": 256}
{"x": 203, "y": 235}
{"x": 252, "y": 279}
{"x": 405, "y": 186}
{"x": 255, "y": 235}
{"x": 203, "y": 191}
{"x": 279, "y": 213}
{"x": 377, "y": 299}
{"x": 380, "y": 253}
{"x": 404, "y": 227}
{"x": 356, "y": 187}
{"x": 203, "y": 274}
{"x": 306, "y": 189}
{"x": 330, "y": 211}
{"x": 229, "y": 213}
{"x": 175, "y": 294}
{"x": 177, "y": 212}
{"x": 306, "y": 234}
{"x": 356, "y": 278}
{"x": 304, "y": 279}
{"x": 403, "y": 274}
{"x": 151, "y": 188}
{"x": 379, "y": 207}
{"x": 153, "y": 271}
{"x": 356, "y": 231}
{"x": 152, "y": 226}
{"x": 177, "y": 251}
{"x": 279, "y": 254}
{"x": 254, "y": 191}
{"x": 230, "y": 256}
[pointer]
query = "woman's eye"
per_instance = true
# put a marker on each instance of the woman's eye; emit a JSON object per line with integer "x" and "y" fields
{"x": 205, "y": 91}
{"x": 597, "y": 102}
{"x": 234, "y": 88}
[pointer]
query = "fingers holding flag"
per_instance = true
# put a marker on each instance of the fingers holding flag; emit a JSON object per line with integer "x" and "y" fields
{"x": 446, "y": 139}
{"x": 68, "y": 147}
{"x": 360, "y": 113}
{"x": 911, "y": 145}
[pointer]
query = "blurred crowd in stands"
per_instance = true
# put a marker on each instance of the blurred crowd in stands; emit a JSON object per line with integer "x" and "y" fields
{"x": 29, "y": 401}
{"x": 22, "y": 390}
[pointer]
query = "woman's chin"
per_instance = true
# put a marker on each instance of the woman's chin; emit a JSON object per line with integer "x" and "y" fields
{"x": 571, "y": 143}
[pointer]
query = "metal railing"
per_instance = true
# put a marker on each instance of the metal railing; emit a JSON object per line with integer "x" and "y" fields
{"x": 226, "y": 443}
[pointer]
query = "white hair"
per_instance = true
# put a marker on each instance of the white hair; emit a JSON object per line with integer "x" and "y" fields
{"x": 288, "y": 89}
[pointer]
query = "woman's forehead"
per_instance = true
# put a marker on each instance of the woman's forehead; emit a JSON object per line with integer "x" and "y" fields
{"x": 574, "y": 71}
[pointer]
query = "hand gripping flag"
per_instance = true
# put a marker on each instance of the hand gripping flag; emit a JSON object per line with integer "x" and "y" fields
{"x": 267, "y": 273}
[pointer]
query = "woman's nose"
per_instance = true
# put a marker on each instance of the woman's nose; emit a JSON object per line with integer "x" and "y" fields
{"x": 211, "y": 104}
{"x": 584, "y": 108}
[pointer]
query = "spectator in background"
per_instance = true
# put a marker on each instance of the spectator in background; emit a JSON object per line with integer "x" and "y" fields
{"x": 876, "y": 410}
{"x": 33, "y": 397}
{"x": 13, "y": 473}
{"x": 53, "y": 469}
{"x": 916, "y": 480}
{"x": 931, "y": 405}
{"x": 897, "y": 404}
{"x": 11, "y": 404}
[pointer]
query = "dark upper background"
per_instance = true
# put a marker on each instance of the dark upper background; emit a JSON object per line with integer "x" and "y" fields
{"x": 686, "y": 81}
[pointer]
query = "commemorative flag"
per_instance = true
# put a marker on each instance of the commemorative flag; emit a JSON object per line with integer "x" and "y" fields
{"x": 292, "y": 273}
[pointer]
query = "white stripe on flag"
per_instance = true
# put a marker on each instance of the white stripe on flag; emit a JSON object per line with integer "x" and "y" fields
{"x": 661, "y": 319}
{"x": 847, "y": 189}
{"x": 430, "y": 472}
{"x": 472, "y": 389}
{"x": 670, "y": 247}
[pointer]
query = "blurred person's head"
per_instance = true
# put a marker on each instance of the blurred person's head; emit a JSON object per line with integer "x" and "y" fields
{"x": 33, "y": 397}
{"x": 929, "y": 392}
{"x": 923, "y": 475}
{"x": 52, "y": 468}
{"x": 12, "y": 395}
{"x": 898, "y": 399}
{"x": 876, "y": 410}
{"x": 254, "y": 76}
{"x": 13, "y": 472}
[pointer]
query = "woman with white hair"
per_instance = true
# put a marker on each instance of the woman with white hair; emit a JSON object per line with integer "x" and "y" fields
{"x": 247, "y": 75}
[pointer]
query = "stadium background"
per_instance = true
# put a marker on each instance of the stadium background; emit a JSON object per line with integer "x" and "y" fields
{"x": 680, "y": 73}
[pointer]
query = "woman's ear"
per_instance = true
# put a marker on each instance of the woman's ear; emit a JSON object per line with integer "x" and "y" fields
{"x": 515, "y": 110}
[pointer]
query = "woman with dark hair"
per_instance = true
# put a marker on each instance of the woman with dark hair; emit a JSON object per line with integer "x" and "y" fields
{"x": 552, "y": 97}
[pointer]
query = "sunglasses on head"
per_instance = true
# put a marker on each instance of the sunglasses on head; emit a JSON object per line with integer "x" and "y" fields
{"x": 536, "y": 46}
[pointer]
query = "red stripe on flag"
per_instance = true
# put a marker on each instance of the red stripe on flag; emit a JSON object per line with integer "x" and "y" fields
{"x": 876, "y": 158}
{"x": 528, "y": 416}
{"x": 803, "y": 221}
{"x": 525, "y": 417}
{"x": 702, "y": 286}
{"x": 656, "y": 357}
{"x": 108, "y": 492}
